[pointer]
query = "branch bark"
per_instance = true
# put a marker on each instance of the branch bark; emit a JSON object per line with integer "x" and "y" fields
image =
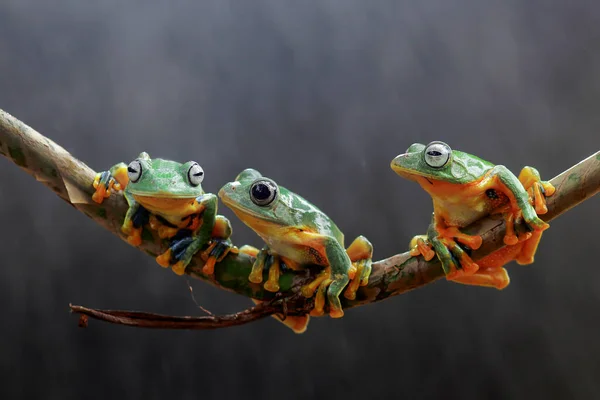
{"x": 72, "y": 180}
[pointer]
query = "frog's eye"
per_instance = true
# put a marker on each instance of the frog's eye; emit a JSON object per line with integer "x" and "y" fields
{"x": 134, "y": 171}
{"x": 437, "y": 154}
{"x": 195, "y": 174}
{"x": 263, "y": 192}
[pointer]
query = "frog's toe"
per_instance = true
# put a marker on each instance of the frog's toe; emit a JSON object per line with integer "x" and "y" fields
{"x": 135, "y": 237}
{"x": 538, "y": 190}
{"x": 364, "y": 279}
{"x": 420, "y": 246}
{"x": 309, "y": 289}
{"x": 164, "y": 260}
{"x": 216, "y": 252}
{"x": 537, "y": 224}
{"x": 320, "y": 297}
{"x": 469, "y": 267}
{"x": 333, "y": 295}
{"x": 103, "y": 183}
{"x": 179, "y": 267}
{"x": 361, "y": 278}
{"x": 272, "y": 284}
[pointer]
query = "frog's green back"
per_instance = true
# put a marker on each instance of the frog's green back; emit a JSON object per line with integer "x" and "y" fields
{"x": 303, "y": 213}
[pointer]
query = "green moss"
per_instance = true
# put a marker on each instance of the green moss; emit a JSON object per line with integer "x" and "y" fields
{"x": 101, "y": 212}
{"x": 17, "y": 155}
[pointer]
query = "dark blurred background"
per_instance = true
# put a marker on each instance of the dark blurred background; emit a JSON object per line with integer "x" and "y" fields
{"x": 319, "y": 95}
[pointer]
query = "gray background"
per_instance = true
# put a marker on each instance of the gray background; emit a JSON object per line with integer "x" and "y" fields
{"x": 320, "y": 96}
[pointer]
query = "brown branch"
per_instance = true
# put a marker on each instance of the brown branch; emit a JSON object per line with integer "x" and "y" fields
{"x": 72, "y": 180}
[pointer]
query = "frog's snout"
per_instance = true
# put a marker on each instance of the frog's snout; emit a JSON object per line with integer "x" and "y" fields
{"x": 396, "y": 162}
{"x": 228, "y": 188}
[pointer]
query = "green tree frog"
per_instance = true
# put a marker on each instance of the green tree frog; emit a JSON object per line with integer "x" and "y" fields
{"x": 465, "y": 188}
{"x": 297, "y": 234}
{"x": 168, "y": 197}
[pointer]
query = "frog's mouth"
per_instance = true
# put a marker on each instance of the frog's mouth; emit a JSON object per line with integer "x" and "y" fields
{"x": 166, "y": 204}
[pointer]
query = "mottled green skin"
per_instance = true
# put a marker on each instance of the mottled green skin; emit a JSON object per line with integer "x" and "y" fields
{"x": 293, "y": 228}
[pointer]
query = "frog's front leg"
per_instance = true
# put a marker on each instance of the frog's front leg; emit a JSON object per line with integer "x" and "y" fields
{"x": 445, "y": 241}
{"x": 520, "y": 205}
{"x": 135, "y": 219}
{"x": 538, "y": 190}
{"x": 205, "y": 227}
{"x": 361, "y": 255}
{"x": 332, "y": 280}
{"x": 115, "y": 178}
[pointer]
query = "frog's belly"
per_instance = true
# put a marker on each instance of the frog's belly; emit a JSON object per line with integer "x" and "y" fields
{"x": 298, "y": 253}
{"x": 461, "y": 213}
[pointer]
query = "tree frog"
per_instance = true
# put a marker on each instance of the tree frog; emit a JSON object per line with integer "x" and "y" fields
{"x": 168, "y": 196}
{"x": 297, "y": 234}
{"x": 465, "y": 188}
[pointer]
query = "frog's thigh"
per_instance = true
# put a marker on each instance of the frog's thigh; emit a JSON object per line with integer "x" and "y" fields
{"x": 119, "y": 172}
{"x": 222, "y": 228}
{"x": 297, "y": 324}
{"x": 489, "y": 277}
{"x": 529, "y": 176}
{"x": 249, "y": 250}
{"x": 360, "y": 249}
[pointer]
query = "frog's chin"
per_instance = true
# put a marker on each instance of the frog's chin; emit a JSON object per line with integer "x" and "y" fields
{"x": 165, "y": 204}
{"x": 412, "y": 175}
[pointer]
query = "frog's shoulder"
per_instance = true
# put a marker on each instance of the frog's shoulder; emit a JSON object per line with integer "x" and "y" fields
{"x": 468, "y": 167}
{"x": 310, "y": 217}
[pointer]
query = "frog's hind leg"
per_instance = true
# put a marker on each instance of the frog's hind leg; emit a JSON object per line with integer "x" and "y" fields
{"x": 298, "y": 324}
{"x": 487, "y": 277}
{"x": 361, "y": 254}
{"x": 491, "y": 273}
{"x": 528, "y": 249}
{"x": 220, "y": 245}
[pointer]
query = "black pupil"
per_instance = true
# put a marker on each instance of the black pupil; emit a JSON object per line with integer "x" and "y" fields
{"x": 131, "y": 170}
{"x": 261, "y": 191}
{"x": 434, "y": 153}
{"x": 199, "y": 173}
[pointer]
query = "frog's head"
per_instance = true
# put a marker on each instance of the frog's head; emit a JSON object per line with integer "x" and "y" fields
{"x": 162, "y": 181}
{"x": 438, "y": 162}
{"x": 258, "y": 201}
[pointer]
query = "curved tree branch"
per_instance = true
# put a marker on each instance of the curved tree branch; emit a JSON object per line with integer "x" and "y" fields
{"x": 72, "y": 180}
